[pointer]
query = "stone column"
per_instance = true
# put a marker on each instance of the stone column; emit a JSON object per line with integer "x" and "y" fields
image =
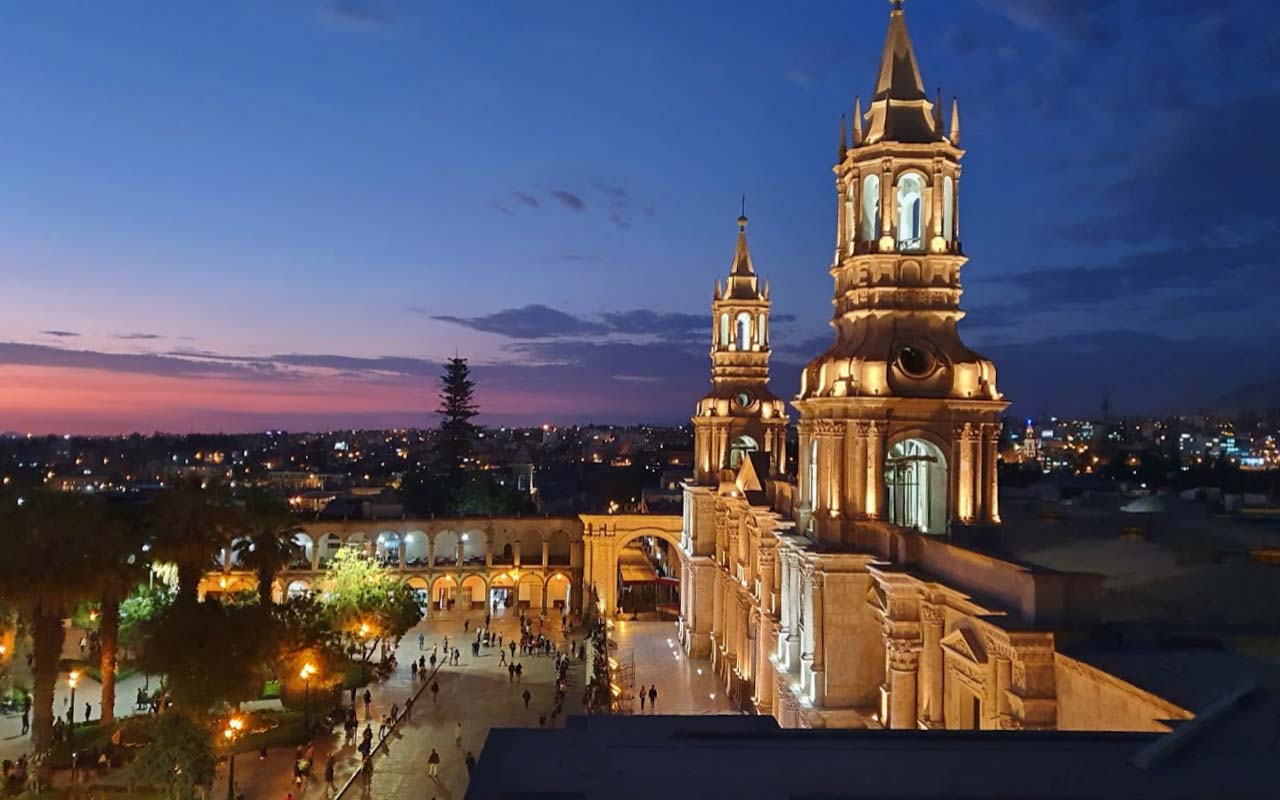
{"x": 460, "y": 551}
{"x": 431, "y": 553}
{"x": 931, "y": 666}
{"x": 819, "y": 640}
{"x": 315, "y": 555}
{"x": 965, "y": 476}
{"x": 990, "y": 482}
{"x": 400, "y": 548}
{"x": 1004, "y": 673}
{"x": 546, "y": 554}
{"x": 904, "y": 658}
{"x": 515, "y": 557}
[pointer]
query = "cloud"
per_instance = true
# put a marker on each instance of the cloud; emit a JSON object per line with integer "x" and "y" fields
{"x": 60, "y": 334}
{"x": 533, "y": 321}
{"x": 527, "y": 199}
{"x": 1086, "y": 22}
{"x": 621, "y": 205}
{"x": 668, "y": 325}
{"x": 356, "y": 15}
{"x": 568, "y": 199}
{"x": 501, "y": 209}
{"x": 131, "y": 337}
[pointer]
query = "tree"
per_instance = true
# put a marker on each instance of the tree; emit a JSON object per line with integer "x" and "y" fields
{"x": 457, "y": 409}
{"x": 46, "y": 572}
{"x": 193, "y": 521}
{"x": 117, "y": 547}
{"x": 211, "y": 654}
{"x": 268, "y": 545}
{"x": 365, "y": 603}
{"x": 178, "y": 759}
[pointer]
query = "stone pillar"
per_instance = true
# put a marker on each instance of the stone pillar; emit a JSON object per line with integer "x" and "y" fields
{"x": 904, "y": 658}
{"x": 515, "y": 555}
{"x": 875, "y": 471}
{"x": 1004, "y": 674}
{"x": 460, "y": 550}
{"x": 819, "y": 642}
{"x": 965, "y": 478}
{"x": 546, "y": 554}
{"x": 991, "y": 481}
{"x": 400, "y": 548}
{"x": 931, "y": 666}
{"x": 431, "y": 553}
{"x": 315, "y": 555}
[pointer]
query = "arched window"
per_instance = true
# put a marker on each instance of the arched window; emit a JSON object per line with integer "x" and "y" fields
{"x": 910, "y": 212}
{"x": 743, "y": 326}
{"x": 762, "y": 331}
{"x": 851, "y": 216}
{"x": 739, "y": 450}
{"x": 813, "y": 474}
{"x": 724, "y": 329}
{"x": 870, "y": 230}
{"x": 915, "y": 477}
{"x": 948, "y": 209}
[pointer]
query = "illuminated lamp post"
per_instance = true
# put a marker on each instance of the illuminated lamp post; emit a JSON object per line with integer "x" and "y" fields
{"x": 230, "y": 734}
{"x": 308, "y": 670}
{"x": 73, "y": 678}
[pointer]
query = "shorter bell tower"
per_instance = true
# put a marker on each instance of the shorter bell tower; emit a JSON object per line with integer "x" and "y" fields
{"x": 740, "y": 415}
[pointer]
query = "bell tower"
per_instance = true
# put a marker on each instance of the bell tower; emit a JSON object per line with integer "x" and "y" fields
{"x": 740, "y": 415}
{"x": 899, "y": 419}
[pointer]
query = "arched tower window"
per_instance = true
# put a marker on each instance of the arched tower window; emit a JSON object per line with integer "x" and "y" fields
{"x": 762, "y": 331}
{"x": 948, "y": 209}
{"x": 915, "y": 474}
{"x": 910, "y": 212}
{"x": 739, "y": 450}
{"x": 743, "y": 326}
{"x": 870, "y": 228}
{"x": 813, "y": 473}
{"x": 724, "y": 329}
{"x": 851, "y": 216}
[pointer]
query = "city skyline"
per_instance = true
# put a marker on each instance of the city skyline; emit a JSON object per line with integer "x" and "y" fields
{"x": 286, "y": 217}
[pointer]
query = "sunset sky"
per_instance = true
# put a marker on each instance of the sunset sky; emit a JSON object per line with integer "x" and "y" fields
{"x": 245, "y": 215}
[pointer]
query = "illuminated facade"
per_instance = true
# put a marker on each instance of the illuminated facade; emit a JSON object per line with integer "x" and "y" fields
{"x": 843, "y": 597}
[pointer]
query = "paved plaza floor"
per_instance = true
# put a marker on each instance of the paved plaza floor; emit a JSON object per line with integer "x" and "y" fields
{"x": 478, "y": 693}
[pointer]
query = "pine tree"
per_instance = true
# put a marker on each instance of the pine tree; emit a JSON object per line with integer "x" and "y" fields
{"x": 457, "y": 409}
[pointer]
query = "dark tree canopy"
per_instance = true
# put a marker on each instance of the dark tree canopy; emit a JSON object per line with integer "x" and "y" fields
{"x": 457, "y": 409}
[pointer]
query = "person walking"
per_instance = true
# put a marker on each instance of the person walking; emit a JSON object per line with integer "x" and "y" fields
{"x": 433, "y": 763}
{"x": 368, "y": 703}
{"x": 527, "y": 697}
{"x": 408, "y": 708}
{"x": 87, "y": 708}
{"x": 329, "y": 776}
{"x": 422, "y": 642}
{"x": 642, "y": 698}
{"x": 520, "y": 672}
{"x": 353, "y": 696}
{"x": 435, "y": 692}
{"x": 653, "y": 698}
{"x": 471, "y": 764}
{"x": 457, "y": 734}
{"x": 466, "y": 625}
{"x": 502, "y": 657}
{"x": 26, "y": 721}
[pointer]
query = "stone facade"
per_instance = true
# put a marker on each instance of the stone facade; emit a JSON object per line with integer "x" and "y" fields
{"x": 842, "y": 598}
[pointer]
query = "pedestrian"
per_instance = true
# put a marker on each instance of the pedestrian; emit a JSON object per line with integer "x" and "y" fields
{"x": 520, "y": 672}
{"x": 527, "y": 697}
{"x": 642, "y": 697}
{"x": 471, "y": 763}
{"x": 502, "y": 657}
{"x": 413, "y": 669}
{"x": 457, "y": 734}
{"x": 512, "y": 646}
{"x": 433, "y": 660}
{"x": 653, "y": 697}
{"x": 435, "y": 691}
{"x": 542, "y": 721}
{"x": 433, "y": 763}
{"x": 26, "y": 722}
{"x": 408, "y": 708}
{"x": 422, "y": 642}
{"x": 87, "y": 708}
{"x": 353, "y": 695}
{"x": 328, "y": 774}
{"x": 511, "y": 672}
{"x": 466, "y": 626}
{"x": 475, "y": 649}
{"x": 368, "y": 702}
{"x": 457, "y": 654}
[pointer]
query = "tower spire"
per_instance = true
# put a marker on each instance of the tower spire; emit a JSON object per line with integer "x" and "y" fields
{"x": 900, "y": 105}
{"x": 857, "y": 121}
{"x": 937, "y": 111}
{"x": 844, "y": 141}
{"x": 742, "y": 267}
{"x": 955, "y": 122}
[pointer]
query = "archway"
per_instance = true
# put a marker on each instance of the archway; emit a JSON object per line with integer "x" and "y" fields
{"x": 421, "y": 590}
{"x": 307, "y": 548}
{"x": 330, "y": 544}
{"x": 446, "y": 551}
{"x": 646, "y": 588}
{"x": 473, "y": 548}
{"x": 415, "y": 549}
{"x": 559, "y": 592}
{"x": 502, "y": 591}
{"x": 387, "y": 549}
{"x": 529, "y": 591}
{"x": 530, "y": 548}
{"x": 915, "y": 478}
{"x": 740, "y": 449}
{"x": 559, "y": 549}
{"x": 359, "y": 542}
{"x": 472, "y": 593}
{"x": 237, "y": 552}
{"x": 910, "y": 212}
{"x": 444, "y": 592}
{"x": 505, "y": 545}
{"x": 297, "y": 589}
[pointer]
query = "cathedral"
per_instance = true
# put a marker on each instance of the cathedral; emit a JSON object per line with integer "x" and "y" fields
{"x": 851, "y": 595}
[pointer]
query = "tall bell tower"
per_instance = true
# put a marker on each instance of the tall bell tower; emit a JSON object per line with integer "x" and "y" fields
{"x": 899, "y": 419}
{"x": 740, "y": 415}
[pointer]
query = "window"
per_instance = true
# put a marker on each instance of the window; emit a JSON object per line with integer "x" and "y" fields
{"x": 851, "y": 216}
{"x": 741, "y": 446}
{"x": 724, "y": 330}
{"x": 910, "y": 212}
{"x": 916, "y": 481}
{"x": 948, "y": 209}
{"x": 761, "y": 331}
{"x": 813, "y": 474}
{"x": 743, "y": 326}
{"x": 870, "y": 230}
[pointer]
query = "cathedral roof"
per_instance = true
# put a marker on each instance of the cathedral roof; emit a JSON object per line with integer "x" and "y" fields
{"x": 900, "y": 111}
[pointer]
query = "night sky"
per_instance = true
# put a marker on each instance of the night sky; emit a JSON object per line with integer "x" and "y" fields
{"x": 247, "y": 215}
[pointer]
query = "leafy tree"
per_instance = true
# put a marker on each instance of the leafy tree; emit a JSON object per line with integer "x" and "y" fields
{"x": 46, "y": 571}
{"x": 365, "y": 603}
{"x": 176, "y": 762}
{"x": 457, "y": 409}
{"x": 192, "y": 521}
{"x": 211, "y": 654}
{"x": 269, "y": 543}
{"x": 144, "y": 605}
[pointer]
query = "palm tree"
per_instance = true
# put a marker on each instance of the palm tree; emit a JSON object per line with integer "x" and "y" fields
{"x": 46, "y": 571}
{"x": 191, "y": 522}
{"x": 268, "y": 544}
{"x": 118, "y": 548}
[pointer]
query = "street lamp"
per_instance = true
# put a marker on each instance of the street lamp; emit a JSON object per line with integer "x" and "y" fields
{"x": 231, "y": 733}
{"x": 366, "y": 633}
{"x": 73, "y": 678}
{"x": 308, "y": 670}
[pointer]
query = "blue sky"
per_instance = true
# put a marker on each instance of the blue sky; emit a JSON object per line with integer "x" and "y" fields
{"x": 244, "y": 214}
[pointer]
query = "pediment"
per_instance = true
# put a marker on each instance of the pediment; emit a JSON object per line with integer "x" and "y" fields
{"x": 965, "y": 643}
{"x": 747, "y": 479}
